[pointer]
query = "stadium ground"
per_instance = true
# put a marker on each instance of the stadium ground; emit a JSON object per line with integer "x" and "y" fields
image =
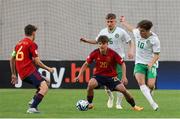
{"x": 60, "y": 103}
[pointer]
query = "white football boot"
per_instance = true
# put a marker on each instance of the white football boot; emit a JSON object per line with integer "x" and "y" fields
{"x": 111, "y": 98}
{"x": 110, "y": 102}
{"x": 32, "y": 110}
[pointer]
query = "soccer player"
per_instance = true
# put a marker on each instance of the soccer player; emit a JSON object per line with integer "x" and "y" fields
{"x": 147, "y": 55}
{"x": 23, "y": 60}
{"x": 105, "y": 74}
{"x": 117, "y": 39}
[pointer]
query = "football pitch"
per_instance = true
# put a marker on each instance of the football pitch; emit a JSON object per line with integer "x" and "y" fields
{"x": 60, "y": 103}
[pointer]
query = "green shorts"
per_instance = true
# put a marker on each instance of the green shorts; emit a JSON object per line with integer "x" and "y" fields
{"x": 119, "y": 71}
{"x": 143, "y": 69}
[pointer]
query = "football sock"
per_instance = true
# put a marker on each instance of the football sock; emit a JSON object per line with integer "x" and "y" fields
{"x": 131, "y": 102}
{"x": 34, "y": 97}
{"x": 36, "y": 93}
{"x": 110, "y": 94}
{"x": 38, "y": 98}
{"x": 90, "y": 99}
{"x": 146, "y": 92}
{"x": 119, "y": 98}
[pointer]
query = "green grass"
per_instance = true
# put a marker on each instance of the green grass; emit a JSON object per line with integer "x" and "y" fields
{"x": 60, "y": 103}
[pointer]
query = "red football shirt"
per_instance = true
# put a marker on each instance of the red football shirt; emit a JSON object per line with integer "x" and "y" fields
{"x": 105, "y": 64}
{"x": 25, "y": 50}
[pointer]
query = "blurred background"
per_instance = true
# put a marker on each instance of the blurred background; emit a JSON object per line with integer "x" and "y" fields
{"x": 61, "y": 23}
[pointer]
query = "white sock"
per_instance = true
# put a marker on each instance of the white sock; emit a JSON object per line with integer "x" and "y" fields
{"x": 110, "y": 94}
{"x": 119, "y": 98}
{"x": 146, "y": 92}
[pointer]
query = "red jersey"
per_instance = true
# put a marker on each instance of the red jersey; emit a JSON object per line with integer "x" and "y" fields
{"x": 25, "y": 50}
{"x": 105, "y": 64}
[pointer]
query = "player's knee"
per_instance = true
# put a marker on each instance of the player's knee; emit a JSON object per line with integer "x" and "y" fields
{"x": 90, "y": 86}
{"x": 44, "y": 88}
{"x": 123, "y": 91}
{"x": 121, "y": 88}
{"x": 151, "y": 86}
{"x": 140, "y": 83}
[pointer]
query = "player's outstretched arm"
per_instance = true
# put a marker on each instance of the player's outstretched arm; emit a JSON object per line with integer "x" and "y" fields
{"x": 90, "y": 41}
{"x": 131, "y": 49}
{"x": 40, "y": 64}
{"x": 124, "y": 78}
{"x": 83, "y": 68}
{"x": 13, "y": 70}
{"x": 126, "y": 24}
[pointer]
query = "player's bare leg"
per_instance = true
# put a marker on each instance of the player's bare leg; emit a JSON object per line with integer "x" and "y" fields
{"x": 48, "y": 81}
{"x": 110, "y": 99}
{"x": 151, "y": 85}
{"x": 145, "y": 90}
{"x": 90, "y": 92}
{"x": 128, "y": 97}
{"x": 38, "y": 98}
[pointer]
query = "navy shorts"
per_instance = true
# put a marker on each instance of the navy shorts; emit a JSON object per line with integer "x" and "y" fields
{"x": 35, "y": 79}
{"x": 110, "y": 82}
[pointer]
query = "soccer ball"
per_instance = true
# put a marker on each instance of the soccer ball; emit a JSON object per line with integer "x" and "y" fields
{"x": 82, "y": 105}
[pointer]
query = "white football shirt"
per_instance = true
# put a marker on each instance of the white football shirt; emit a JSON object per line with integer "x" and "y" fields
{"x": 145, "y": 48}
{"x": 117, "y": 39}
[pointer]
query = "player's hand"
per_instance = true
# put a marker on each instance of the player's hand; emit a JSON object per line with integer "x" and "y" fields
{"x": 150, "y": 66}
{"x": 77, "y": 79}
{"x": 14, "y": 79}
{"x": 83, "y": 40}
{"x": 122, "y": 19}
{"x": 124, "y": 80}
{"x": 130, "y": 55}
{"x": 51, "y": 70}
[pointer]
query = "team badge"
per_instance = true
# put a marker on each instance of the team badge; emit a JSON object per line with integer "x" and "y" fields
{"x": 116, "y": 35}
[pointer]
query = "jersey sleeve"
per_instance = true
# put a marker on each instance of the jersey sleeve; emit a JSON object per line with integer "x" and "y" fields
{"x": 118, "y": 58}
{"x": 136, "y": 33}
{"x": 33, "y": 50}
{"x": 156, "y": 45}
